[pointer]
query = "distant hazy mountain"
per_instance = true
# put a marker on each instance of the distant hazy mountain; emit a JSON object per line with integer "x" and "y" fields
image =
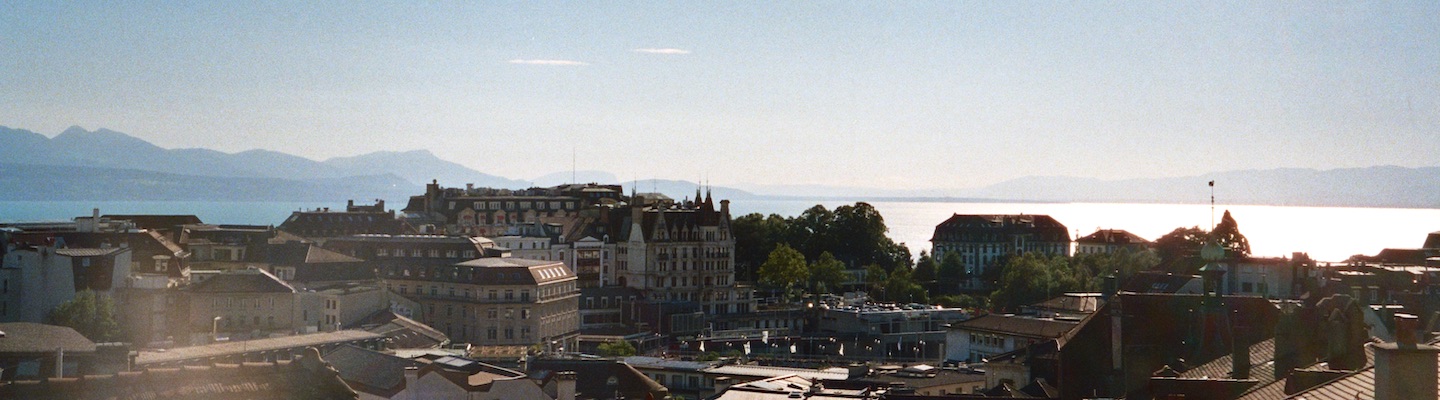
{"x": 60, "y": 182}
{"x": 105, "y": 148}
{"x": 108, "y": 163}
{"x": 1383, "y": 186}
{"x": 420, "y": 167}
{"x": 564, "y": 177}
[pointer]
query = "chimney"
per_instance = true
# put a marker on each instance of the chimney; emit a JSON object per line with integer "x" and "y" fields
{"x": 725, "y": 208}
{"x": 350, "y": 204}
{"x": 1405, "y": 369}
{"x": 565, "y": 385}
{"x": 1240, "y": 361}
{"x": 1111, "y": 286}
{"x": 1287, "y": 341}
{"x": 59, "y": 362}
{"x": 412, "y": 374}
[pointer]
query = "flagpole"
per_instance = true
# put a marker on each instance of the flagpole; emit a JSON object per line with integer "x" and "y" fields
{"x": 1212, "y": 205}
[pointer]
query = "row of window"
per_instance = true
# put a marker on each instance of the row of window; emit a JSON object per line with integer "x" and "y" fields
{"x": 546, "y": 291}
{"x": 240, "y": 321}
{"x": 232, "y": 303}
{"x": 490, "y": 313}
{"x": 417, "y": 253}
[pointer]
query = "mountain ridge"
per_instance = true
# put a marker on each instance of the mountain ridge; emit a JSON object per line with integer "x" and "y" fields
{"x": 116, "y": 154}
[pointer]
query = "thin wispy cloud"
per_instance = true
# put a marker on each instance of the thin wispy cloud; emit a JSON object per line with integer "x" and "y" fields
{"x": 549, "y": 62}
{"x": 669, "y": 51}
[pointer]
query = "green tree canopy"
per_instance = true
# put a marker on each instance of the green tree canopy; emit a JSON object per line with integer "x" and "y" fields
{"x": 1179, "y": 250}
{"x": 826, "y": 274}
{"x": 784, "y": 269}
{"x": 875, "y": 278}
{"x": 1123, "y": 263}
{"x": 1227, "y": 235}
{"x": 1031, "y": 278}
{"x": 854, "y": 234}
{"x": 952, "y": 273}
{"x": 620, "y": 348}
{"x": 90, "y": 314}
{"x": 925, "y": 268}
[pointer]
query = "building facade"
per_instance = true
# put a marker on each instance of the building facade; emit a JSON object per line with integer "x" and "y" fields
{"x": 982, "y": 241}
{"x": 494, "y": 301}
{"x": 1107, "y": 241}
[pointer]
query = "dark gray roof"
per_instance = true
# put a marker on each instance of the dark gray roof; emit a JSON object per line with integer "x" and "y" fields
{"x": 404, "y": 333}
{"x": 1018, "y": 326}
{"x": 1113, "y": 236}
{"x": 372, "y": 371}
{"x": 30, "y": 337}
{"x": 88, "y": 252}
{"x": 248, "y": 281}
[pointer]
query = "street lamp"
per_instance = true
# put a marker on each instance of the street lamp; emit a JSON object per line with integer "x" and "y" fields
{"x": 215, "y": 329}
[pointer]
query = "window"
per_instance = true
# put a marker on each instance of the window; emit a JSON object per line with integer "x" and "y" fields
{"x": 509, "y": 333}
{"x": 490, "y": 333}
{"x": 490, "y": 313}
{"x": 492, "y": 295}
{"x": 509, "y": 294}
{"x": 525, "y": 295}
{"x": 524, "y": 313}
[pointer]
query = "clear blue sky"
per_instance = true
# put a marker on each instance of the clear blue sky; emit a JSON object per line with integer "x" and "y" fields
{"x": 880, "y": 94}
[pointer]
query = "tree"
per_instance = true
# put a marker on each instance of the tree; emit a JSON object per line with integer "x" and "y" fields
{"x": 620, "y": 348}
{"x": 1179, "y": 250}
{"x": 1032, "y": 278}
{"x": 755, "y": 237}
{"x": 952, "y": 273}
{"x": 1122, "y": 263}
{"x": 875, "y": 277}
{"x": 784, "y": 268}
{"x": 900, "y": 287}
{"x": 90, "y": 314}
{"x": 925, "y": 268}
{"x": 1227, "y": 235}
{"x": 826, "y": 274}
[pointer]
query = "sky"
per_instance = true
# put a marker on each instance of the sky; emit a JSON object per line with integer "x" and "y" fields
{"x": 943, "y": 94}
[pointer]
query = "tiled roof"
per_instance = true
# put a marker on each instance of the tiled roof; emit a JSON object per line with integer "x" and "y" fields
{"x": 1113, "y": 236}
{"x": 258, "y": 380}
{"x": 87, "y": 252}
{"x": 769, "y": 372}
{"x": 1001, "y": 225}
{"x": 1018, "y": 326}
{"x": 222, "y": 349}
{"x": 247, "y": 281}
{"x": 30, "y": 337}
{"x": 1082, "y": 303}
{"x": 1261, "y": 353}
{"x": 161, "y": 222}
{"x": 373, "y": 372}
{"x": 1358, "y": 385}
{"x": 591, "y": 376}
{"x": 662, "y": 363}
{"x": 1156, "y": 282}
{"x": 539, "y": 271}
{"x": 404, "y": 333}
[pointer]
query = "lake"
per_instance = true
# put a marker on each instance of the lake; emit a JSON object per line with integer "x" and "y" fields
{"x": 1326, "y": 233}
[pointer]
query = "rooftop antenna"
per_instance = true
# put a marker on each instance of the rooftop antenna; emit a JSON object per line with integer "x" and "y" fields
{"x": 1212, "y": 205}
{"x": 572, "y": 165}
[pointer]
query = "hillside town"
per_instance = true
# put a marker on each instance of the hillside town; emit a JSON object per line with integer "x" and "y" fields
{"x": 597, "y": 291}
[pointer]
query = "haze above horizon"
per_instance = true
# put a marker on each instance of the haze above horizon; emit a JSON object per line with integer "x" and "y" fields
{"x": 859, "y": 94}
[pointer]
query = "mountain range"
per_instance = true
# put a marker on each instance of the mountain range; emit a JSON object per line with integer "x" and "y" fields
{"x": 106, "y": 165}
